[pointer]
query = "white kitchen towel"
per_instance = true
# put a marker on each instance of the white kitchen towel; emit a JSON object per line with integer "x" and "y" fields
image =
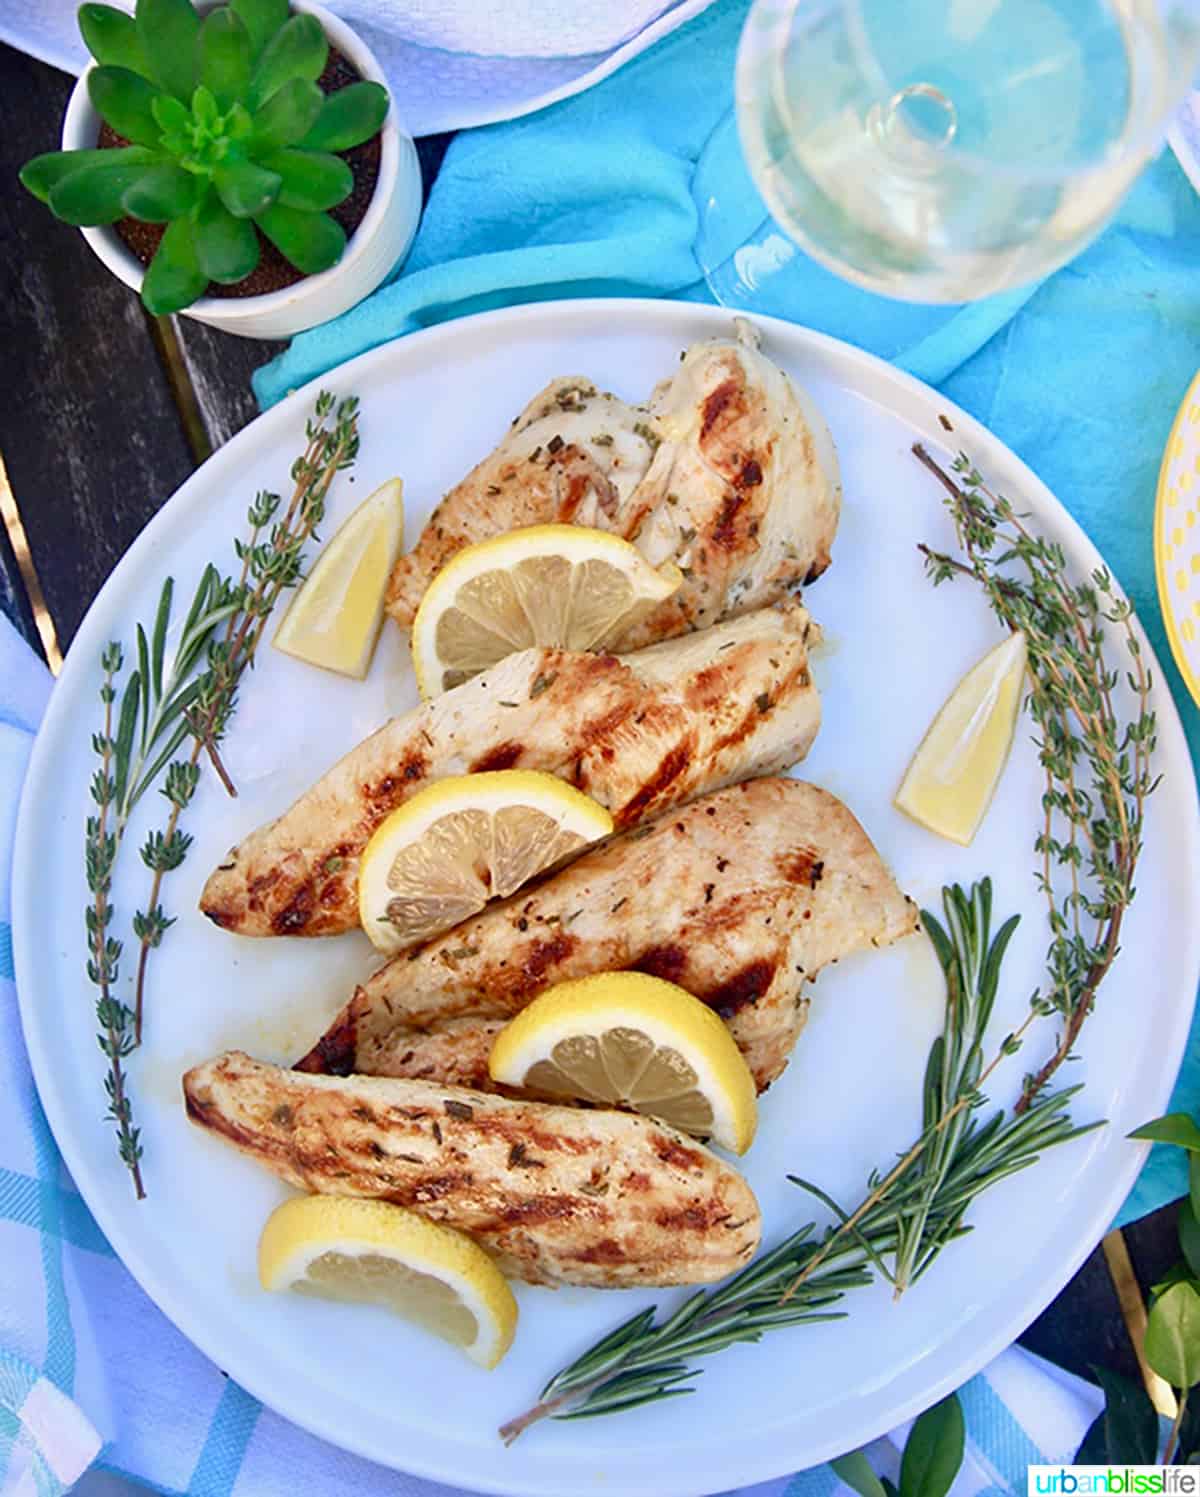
{"x": 450, "y": 63}
{"x": 85, "y": 1356}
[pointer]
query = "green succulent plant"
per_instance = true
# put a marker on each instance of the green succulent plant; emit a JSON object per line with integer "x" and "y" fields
{"x": 228, "y": 130}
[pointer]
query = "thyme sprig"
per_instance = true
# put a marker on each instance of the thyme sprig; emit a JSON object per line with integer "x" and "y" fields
{"x": 1096, "y": 759}
{"x": 272, "y": 558}
{"x": 907, "y": 1216}
{"x": 163, "y": 706}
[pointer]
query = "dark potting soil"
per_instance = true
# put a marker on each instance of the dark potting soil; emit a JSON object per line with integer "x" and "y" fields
{"x": 273, "y": 272}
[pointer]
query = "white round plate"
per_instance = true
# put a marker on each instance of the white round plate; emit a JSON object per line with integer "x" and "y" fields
{"x": 432, "y": 405}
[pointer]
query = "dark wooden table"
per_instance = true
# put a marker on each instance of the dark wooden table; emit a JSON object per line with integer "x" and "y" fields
{"x": 105, "y": 412}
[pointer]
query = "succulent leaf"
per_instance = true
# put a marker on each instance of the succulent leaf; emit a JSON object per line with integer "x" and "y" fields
{"x": 312, "y": 242}
{"x": 160, "y": 194}
{"x": 227, "y": 248}
{"x": 312, "y": 180}
{"x": 348, "y": 117}
{"x": 168, "y": 30}
{"x": 297, "y": 50}
{"x": 245, "y": 188}
{"x": 93, "y": 194}
{"x": 172, "y": 119}
{"x": 174, "y": 279}
{"x": 124, "y": 100}
{"x": 41, "y": 175}
{"x": 111, "y": 37}
{"x": 288, "y": 115}
{"x": 261, "y": 18}
{"x": 224, "y": 66}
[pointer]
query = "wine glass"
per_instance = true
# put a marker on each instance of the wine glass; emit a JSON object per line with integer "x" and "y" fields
{"x": 933, "y": 150}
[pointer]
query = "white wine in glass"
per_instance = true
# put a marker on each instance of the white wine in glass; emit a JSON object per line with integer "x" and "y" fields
{"x": 941, "y": 150}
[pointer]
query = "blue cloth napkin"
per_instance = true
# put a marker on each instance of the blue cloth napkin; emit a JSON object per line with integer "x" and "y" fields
{"x": 603, "y": 196}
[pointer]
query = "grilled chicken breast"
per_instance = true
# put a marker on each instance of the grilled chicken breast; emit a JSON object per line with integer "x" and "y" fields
{"x": 728, "y": 470}
{"x": 557, "y": 1194}
{"x": 638, "y": 733}
{"x": 741, "y": 897}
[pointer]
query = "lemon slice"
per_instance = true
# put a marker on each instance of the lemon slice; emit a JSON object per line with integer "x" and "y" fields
{"x": 558, "y": 586}
{"x": 334, "y": 619}
{"x": 954, "y": 773}
{"x": 370, "y": 1252}
{"x": 464, "y": 840}
{"x": 624, "y": 1038}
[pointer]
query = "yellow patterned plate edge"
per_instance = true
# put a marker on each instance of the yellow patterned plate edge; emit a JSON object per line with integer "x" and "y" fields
{"x": 1177, "y": 538}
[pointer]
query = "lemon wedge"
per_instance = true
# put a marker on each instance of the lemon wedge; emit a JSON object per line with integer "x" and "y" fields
{"x": 558, "y": 586}
{"x": 370, "y": 1252}
{"x": 953, "y": 776}
{"x": 627, "y": 1039}
{"x": 334, "y": 618}
{"x": 464, "y": 840}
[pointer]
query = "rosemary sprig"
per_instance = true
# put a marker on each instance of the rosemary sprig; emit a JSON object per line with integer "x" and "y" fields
{"x": 971, "y": 965}
{"x": 272, "y": 561}
{"x": 1097, "y": 764}
{"x": 908, "y": 1214}
{"x": 150, "y": 726}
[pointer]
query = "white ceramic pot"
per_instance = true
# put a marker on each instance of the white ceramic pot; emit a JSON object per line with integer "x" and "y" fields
{"x": 380, "y": 242}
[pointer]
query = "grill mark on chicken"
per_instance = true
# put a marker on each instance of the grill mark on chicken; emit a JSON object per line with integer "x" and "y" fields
{"x": 333, "y": 1054}
{"x": 573, "y": 1218}
{"x": 296, "y": 914}
{"x": 503, "y": 756}
{"x": 746, "y": 986}
{"x": 637, "y": 733}
{"x": 666, "y": 961}
{"x": 656, "y": 788}
{"x": 717, "y": 403}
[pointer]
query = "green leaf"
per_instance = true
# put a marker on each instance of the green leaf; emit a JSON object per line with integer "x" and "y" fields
{"x": 348, "y": 117}
{"x": 171, "y": 117}
{"x": 312, "y": 180}
{"x": 297, "y": 50}
{"x": 1178, "y": 1273}
{"x": 174, "y": 279}
{"x": 854, "y": 1469}
{"x": 1189, "y": 1235}
{"x": 95, "y": 193}
{"x": 889, "y": 1487}
{"x": 246, "y": 189}
{"x": 1126, "y": 1430}
{"x": 312, "y": 242}
{"x": 288, "y": 115}
{"x": 226, "y": 247}
{"x": 224, "y": 57}
{"x": 1174, "y": 1128}
{"x": 261, "y": 18}
{"x": 167, "y": 30}
{"x": 111, "y": 37}
{"x": 41, "y": 175}
{"x": 160, "y": 194}
{"x": 124, "y": 100}
{"x": 1194, "y": 1181}
{"x": 1173, "y": 1335}
{"x": 934, "y": 1451}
